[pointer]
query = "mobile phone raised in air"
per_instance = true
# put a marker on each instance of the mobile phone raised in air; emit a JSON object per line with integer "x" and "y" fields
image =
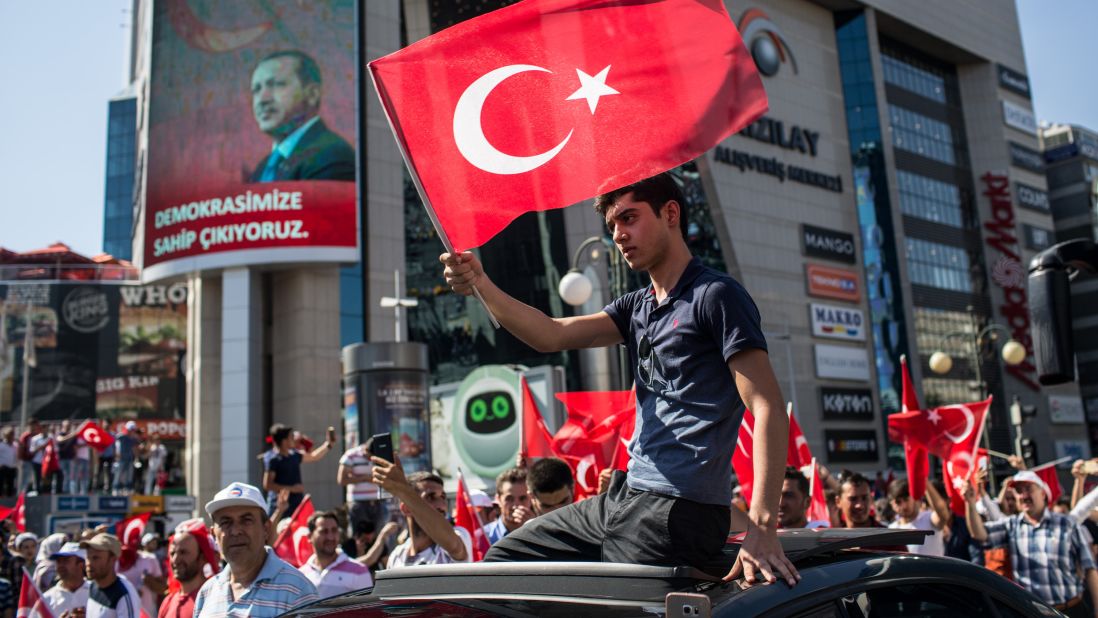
{"x": 382, "y": 446}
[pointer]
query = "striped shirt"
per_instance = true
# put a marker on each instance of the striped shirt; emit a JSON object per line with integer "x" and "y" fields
{"x": 278, "y": 588}
{"x": 1044, "y": 556}
{"x": 342, "y": 575}
{"x": 358, "y": 461}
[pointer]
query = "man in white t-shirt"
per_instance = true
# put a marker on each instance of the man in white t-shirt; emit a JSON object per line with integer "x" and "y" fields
{"x": 911, "y": 516}
{"x": 432, "y": 539}
{"x": 71, "y": 590}
{"x": 147, "y": 577}
{"x": 364, "y": 498}
{"x": 110, "y": 595}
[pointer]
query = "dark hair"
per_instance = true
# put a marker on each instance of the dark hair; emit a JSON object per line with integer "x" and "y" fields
{"x": 549, "y": 475}
{"x": 656, "y": 191}
{"x": 849, "y": 477}
{"x": 512, "y": 476}
{"x": 1064, "y": 501}
{"x": 307, "y": 69}
{"x": 319, "y": 515}
{"x": 363, "y": 526}
{"x": 423, "y": 476}
{"x": 793, "y": 474}
{"x": 280, "y": 432}
{"x": 898, "y": 490}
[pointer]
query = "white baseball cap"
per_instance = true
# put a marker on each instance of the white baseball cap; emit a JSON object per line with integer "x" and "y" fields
{"x": 70, "y": 549}
{"x": 148, "y": 538}
{"x": 1026, "y": 476}
{"x": 130, "y": 425}
{"x": 236, "y": 494}
{"x": 480, "y": 499}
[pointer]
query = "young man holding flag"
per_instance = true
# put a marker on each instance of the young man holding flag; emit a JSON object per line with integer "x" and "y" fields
{"x": 696, "y": 344}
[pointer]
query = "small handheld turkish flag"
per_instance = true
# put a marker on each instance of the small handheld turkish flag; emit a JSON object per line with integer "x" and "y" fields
{"x": 95, "y": 436}
{"x": 546, "y": 103}
{"x": 293, "y": 544}
{"x": 131, "y": 529}
{"x": 31, "y": 604}
{"x": 741, "y": 457}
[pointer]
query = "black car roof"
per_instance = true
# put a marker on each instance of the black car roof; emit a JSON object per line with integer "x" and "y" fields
{"x": 578, "y": 582}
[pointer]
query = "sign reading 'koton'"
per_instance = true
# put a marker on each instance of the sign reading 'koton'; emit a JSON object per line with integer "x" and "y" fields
{"x": 846, "y": 404}
{"x": 828, "y": 244}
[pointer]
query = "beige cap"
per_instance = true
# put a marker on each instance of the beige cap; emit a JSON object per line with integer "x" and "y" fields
{"x": 105, "y": 542}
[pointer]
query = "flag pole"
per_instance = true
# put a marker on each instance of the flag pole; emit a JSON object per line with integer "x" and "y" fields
{"x": 1054, "y": 462}
{"x": 422, "y": 193}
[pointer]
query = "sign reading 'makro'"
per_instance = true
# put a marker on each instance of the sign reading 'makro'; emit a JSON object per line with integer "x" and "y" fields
{"x": 837, "y": 322}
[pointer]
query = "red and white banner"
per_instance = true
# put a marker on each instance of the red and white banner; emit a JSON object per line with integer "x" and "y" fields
{"x": 212, "y": 197}
{"x": 545, "y": 103}
{"x": 799, "y": 454}
{"x": 293, "y": 544}
{"x": 917, "y": 459}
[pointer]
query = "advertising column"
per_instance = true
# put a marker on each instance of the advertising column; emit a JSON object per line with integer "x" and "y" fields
{"x": 386, "y": 391}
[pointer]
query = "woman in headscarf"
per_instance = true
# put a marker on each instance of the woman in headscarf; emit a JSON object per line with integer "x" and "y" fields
{"x": 45, "y": 569}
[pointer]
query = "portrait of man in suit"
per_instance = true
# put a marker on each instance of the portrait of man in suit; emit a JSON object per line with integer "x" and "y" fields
{"x": 286, "y": 92}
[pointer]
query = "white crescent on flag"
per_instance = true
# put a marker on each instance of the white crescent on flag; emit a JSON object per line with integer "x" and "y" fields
{"x": 970, "y": 424}
{"x": 301, "y": 536}
{"x": 469, "y": 134}
{"x": 91, "y": 435}
{"x": 137, "y": 527}
{"x": 582, "y": 467}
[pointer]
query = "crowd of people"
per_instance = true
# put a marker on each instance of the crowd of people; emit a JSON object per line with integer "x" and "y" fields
{"x": 392, "y": 519}
{"x": 55, "y": 458}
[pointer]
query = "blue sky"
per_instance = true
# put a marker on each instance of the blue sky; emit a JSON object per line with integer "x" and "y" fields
{"x": 64, "y": 61}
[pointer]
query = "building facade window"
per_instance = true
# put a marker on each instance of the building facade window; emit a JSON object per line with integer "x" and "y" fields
{"x": 939, "y": 266}
{"x": 924, "y": 81}
{"x": 921, "y": 135}
{"x": 929, "y": 199}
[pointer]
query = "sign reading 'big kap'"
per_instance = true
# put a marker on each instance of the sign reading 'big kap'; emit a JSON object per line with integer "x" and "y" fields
{"x": 827, "y": 244}
{"x": 837, "y": 322}
{"x": 841, "y": 362}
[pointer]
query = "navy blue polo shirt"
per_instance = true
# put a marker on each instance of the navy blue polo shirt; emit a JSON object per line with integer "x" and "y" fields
{"x": 688, "y": 408}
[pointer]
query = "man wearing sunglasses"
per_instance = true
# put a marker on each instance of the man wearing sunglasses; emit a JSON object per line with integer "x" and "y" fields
{"x": 696, "y": 344}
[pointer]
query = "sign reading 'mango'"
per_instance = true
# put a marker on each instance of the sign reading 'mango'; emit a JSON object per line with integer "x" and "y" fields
{"x": 251, "y": 124}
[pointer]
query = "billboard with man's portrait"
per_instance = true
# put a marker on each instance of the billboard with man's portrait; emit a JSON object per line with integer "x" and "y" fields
{"x": 251, "y": 135}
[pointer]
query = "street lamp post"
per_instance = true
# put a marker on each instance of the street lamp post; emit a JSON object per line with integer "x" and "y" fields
{"x": 575, "y": 288}
{"x": 1012, "y": 353}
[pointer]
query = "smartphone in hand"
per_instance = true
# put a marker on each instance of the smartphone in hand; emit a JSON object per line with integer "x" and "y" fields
{"x": 382, "y": 446}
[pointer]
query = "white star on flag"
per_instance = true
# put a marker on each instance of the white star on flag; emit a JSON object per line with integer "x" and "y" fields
{"x": 958, "y": 483}
{"x": 933, "y": 416}
{"x": 591, "y": 88}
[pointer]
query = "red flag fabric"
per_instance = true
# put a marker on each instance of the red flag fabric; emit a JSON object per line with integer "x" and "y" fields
{"x": 467, "y": 518}
{"x": 621, "y": 457}
{"x": 293, "y": 544}
{"x": 916, "y": 458}
{"x": 31, "y": 604}
{"x": 131, "y": 529}
{"x": 50, "y": 461}
{"x": 96, "y": 437}
{"x": 741, "y": 457}
{"x": 596, "y": 423}
{"x": 19, "y": 514}
{"x": 1047, "y": 472}
{"x": 546, "y": 103}
{"x": 962, "y": 458}
{"x": 536, "y": 439}
{"x": 799, "y": 455}
{"x": 817, "y": 506}
{"x": 585, "y": 470}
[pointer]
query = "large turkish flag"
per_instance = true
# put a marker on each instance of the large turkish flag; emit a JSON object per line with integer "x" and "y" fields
{"x": 546, "y": 103}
